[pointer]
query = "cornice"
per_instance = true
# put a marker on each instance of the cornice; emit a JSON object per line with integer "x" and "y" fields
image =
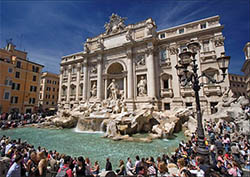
{"x": 191, "y": 34}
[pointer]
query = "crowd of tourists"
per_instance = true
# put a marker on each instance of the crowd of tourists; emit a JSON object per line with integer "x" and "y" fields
{"x": 13, "y": 120}
{"x": 229, "y": 156}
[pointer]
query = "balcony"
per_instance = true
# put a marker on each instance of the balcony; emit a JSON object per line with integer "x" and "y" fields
{"x": 212, "y": 89}
{"x": 208, "y": 55}
{"x": 187, "y": 91}
{"x": 72, "y": 97}
{"x": 166, "y": 63}
{"x": 167, "y": 93}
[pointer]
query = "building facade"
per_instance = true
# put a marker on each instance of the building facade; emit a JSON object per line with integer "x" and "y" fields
{"x": 238, "y": 85}
{"x": 136, "y": 64}
{"x": 19, "y": 81}
{"x": 49, "y": 88}
{"x": 246, "y": 67}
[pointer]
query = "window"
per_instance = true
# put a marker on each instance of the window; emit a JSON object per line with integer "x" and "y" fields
{"x": 53, "y": 96}
{"x": 166, "y": 84}
{"x": 47, "y": 102}
{"x": 162, "y": 35}
{"x": 205, "y": 46}
{"x": 181, "y": 31}
{"x": 73, "y": 70}
{"x": 54, "y": 89}
{"x": 163, "y": 54}
{"x": 17, "y": 75}
{"x": 31, "y": 88}
{"x": 33, "y": 100}
{"x": 35, "y": 69}
{"x": 213, "y": 107}
{"x": 35, "y": 88}
{"x": 203, "y": 25}
{"x": 232, "y": 78}
{"x": 63, "y": 91}
{"x": 166, "y": 106}
{"x": 73, "y": 91}
{"x": 188, "y": 104}
{"x": 13, "y": 86}
{"x": 10, "y": 70}
{"x": 18, "y": 64}
{"x": 34, "y": 78}
{"x": 6, "y": 95}
{"x": 52, "y": 103}
{"x": 17, "y": 86}
{"x": 16, "y": 99}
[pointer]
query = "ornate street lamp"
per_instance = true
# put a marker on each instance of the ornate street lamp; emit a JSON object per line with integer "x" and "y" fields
{"x": 187, "y": 76}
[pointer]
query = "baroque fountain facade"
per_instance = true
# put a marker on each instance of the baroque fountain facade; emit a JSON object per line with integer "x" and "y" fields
{"x": 125, "y": 82}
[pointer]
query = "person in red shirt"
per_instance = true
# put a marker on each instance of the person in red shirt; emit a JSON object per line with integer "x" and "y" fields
{"x": 67, "y": 161}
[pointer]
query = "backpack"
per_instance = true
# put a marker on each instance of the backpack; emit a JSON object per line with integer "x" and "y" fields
{"x": 62, "y": 173}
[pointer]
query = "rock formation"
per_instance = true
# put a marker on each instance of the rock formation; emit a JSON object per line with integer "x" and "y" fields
{"x": 233, "y": 110}
{"x": 113, "y": 118}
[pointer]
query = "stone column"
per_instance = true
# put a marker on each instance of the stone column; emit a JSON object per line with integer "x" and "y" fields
{"x": 85, "y": 81}
{"x": 105, "y": 88}
{"x": 175, "y": 79}
{"x": 78, "y": 80}
{"x": 130, "y": 75}
{"x": 60, "y": 85}
{"x": 68, "y": 84}
{"x": 150, "y": 71}
{"x": 99, "y": 78}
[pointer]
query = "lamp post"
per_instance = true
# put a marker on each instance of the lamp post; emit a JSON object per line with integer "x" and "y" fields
{"x": 190, "y": 76}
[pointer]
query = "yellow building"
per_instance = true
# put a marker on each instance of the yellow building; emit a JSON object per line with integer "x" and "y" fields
{"x": 238, "y": 85}
{"x": 49, "y": 88}
{"x": 19, "y": 81}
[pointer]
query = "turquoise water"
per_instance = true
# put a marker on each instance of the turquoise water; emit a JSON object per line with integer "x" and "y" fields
{"x": 92, "y": 145}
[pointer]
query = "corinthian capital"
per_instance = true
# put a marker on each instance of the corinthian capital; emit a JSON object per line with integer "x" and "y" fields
{"x": 150, "y": 51}
{"x": 173, "y": 50}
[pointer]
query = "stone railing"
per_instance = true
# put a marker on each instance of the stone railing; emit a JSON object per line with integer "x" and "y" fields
{"x": 212, "y": 89}
{"x": 167, "y": 93}
{"x": 187, "y": 91}
{"x": 208, "y": 55}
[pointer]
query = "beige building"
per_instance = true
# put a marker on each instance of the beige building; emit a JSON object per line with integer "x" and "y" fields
{"x": 246, "y": 67}
{"x": 49, "y": 89}
{"x": 238, "y": 85}
{"x": 19, "y": 81}
{"x": 136, "y": 64}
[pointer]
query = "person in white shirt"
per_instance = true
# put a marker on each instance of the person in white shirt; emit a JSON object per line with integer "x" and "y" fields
{"x": 129, "y": 168}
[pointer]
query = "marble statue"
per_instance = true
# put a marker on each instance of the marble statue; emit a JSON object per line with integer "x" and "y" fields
{"x": 129, "y": 35}
{"x": 141, "y": 61}
{"x": 116, "y": 23}
{"x": 93, "y": 90}
{"x": 113, "y": 87}
{"x": 86, "y": 47}
{"x": 142, "y": 86}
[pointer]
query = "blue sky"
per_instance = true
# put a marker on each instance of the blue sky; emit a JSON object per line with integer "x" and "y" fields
{"x": 48, "y": 30}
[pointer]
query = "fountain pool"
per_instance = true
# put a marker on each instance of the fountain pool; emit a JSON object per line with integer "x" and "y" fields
{"x": 92, "y": 145}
